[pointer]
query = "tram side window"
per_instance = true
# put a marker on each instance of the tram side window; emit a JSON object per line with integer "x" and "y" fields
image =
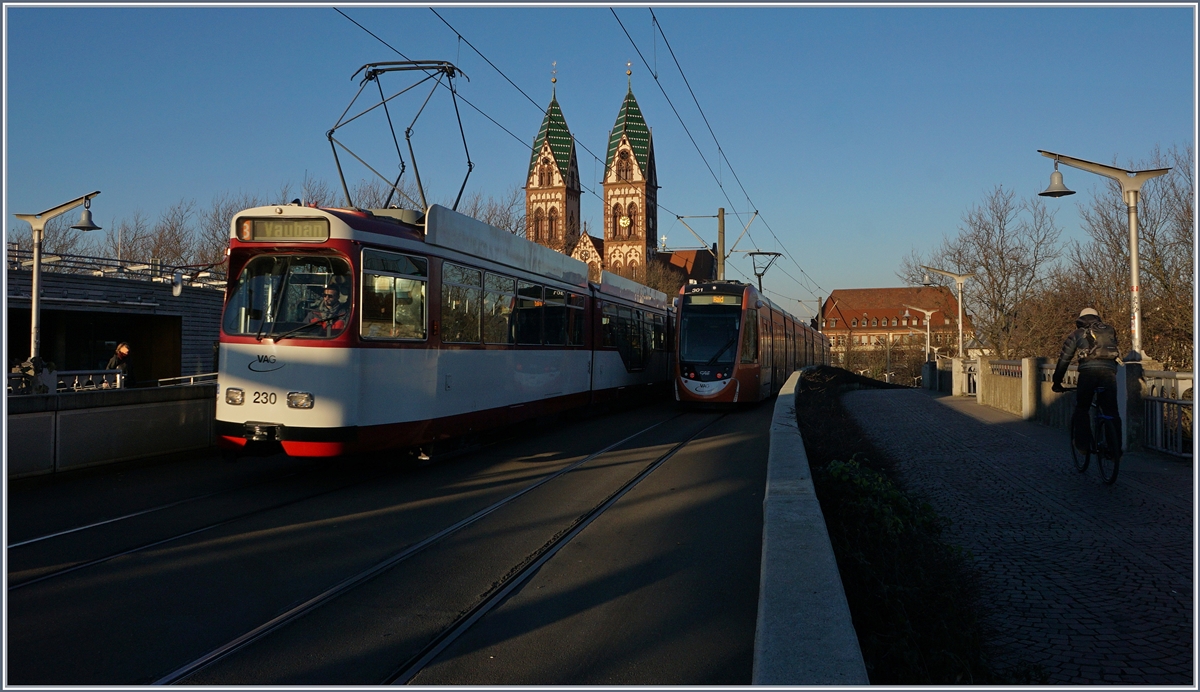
{"x": 461, "y": 304}
{"x": 554, "y": 315}
{"x": 529, "y": 313}
{"x": 575, "y": 312}
{"x": 750, "y": 338}
{"x": 499, "y": 297}
{"x": 393, "y": 295}
{"x": 608, "y": 321}
{"x": 658, "y": 334}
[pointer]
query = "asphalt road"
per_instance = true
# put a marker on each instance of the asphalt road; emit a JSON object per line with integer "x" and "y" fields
{"x": 662, "y": 588}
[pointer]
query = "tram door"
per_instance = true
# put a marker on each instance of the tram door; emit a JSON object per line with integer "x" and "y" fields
{"x": 768, "y": 352}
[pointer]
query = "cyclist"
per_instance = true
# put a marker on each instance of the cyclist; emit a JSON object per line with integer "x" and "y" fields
{"x": 1096, "y": 345}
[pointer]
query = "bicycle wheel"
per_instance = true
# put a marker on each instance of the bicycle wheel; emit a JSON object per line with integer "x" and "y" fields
{"x": 1108, "y": 455}
{"x": 1081, "y": 459}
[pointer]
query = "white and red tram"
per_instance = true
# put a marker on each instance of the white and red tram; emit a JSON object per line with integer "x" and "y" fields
{"x": 735, "y": 345}
{"x": 356, "y": 330}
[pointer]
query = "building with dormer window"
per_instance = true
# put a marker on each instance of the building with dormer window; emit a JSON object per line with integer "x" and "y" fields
{"x": 876, "y": 318}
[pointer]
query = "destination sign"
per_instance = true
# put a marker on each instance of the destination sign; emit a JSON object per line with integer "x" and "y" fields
{"x": 713, "y": 299}
{"x": 275, "y": 230}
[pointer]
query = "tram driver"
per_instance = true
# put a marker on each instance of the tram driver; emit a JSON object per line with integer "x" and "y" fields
{"x": 330, "y": 313}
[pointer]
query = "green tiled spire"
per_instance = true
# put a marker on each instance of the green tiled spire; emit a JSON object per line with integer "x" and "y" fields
{"x": 631, "y": 124}
{"x": 562, "y": 144}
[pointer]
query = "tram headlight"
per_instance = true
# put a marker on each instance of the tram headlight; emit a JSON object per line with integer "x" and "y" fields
{"x": 300, "y": 400}
{"x": 235, "y": 396}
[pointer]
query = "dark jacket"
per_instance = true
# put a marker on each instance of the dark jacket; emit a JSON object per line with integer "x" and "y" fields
{"x": 1077, "y": 342}
{"x": 118, "y": 363}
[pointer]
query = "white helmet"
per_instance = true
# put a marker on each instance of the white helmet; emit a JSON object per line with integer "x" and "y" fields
{"x": 1088, "y": 311}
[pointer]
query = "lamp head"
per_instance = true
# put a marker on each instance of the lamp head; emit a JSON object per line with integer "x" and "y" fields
{"x": 85, "y": 219}
{"x": 1056, "y": 189}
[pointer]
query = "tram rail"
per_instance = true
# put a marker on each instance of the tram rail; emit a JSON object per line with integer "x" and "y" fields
{"x": 515, "y": 576}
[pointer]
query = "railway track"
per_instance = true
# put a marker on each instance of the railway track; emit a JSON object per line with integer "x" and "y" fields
{"x": 445, "y": 487}
{"x": 513, "y": 579}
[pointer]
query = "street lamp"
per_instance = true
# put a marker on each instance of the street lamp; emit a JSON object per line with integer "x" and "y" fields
{"x": 1131, "y": 187}
{"x": 928, "y": 316}
{"x": 959, "y": 280}
{"x": 38, "y": 223}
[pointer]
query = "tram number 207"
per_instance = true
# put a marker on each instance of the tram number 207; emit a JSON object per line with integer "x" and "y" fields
{"x": 265, "y": 398}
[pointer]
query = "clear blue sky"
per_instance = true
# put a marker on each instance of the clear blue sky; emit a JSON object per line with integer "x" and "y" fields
{"x": 859, "y": 133}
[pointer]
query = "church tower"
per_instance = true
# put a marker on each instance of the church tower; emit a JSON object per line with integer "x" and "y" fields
{"x": 552, "y": 185}
{"x": 630, "y": 192}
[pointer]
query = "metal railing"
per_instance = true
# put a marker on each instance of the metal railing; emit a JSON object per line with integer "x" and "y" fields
{"x": 1168, "y": 412}
{"x": 185, "y": 380}
{"x": 153, "y": 270}
{"x": 20, "y": 383}
{"x": 971, "y": 371}
{"x": 83, "y": 380}
{"x": 1006, "y": 368}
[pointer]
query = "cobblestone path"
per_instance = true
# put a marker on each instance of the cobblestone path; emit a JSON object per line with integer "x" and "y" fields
{"x": 1091, "y": 582}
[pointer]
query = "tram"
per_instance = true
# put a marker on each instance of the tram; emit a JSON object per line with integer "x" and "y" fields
{"x": 735, "y": 345}
{"x": 350, "y": 330}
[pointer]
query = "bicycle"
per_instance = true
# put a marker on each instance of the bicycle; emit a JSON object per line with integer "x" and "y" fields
{"x": 1106, "y": 444}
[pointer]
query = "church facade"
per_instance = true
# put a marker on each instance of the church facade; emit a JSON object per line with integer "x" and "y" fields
{"x": 630, "y": 192}
{"x": 552, "y": 185}
{"x": 626, "y": 243}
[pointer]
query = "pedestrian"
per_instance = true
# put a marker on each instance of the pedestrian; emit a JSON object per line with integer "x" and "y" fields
{"x": 120, "y": 359}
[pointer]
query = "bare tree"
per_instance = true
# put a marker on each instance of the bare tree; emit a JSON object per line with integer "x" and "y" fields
{"x": 657, "y": 275}
{"x": 128, "y": 238}
{"x": 317, "y": 192}
{"x": 212, "y": 235}
{"x": 1010, "y": 246}
{"x": 373, "y": 193}
{"x": 172, "y": 238}
{"x": 1166, "y": 230}
{"x": 506, "y": 213}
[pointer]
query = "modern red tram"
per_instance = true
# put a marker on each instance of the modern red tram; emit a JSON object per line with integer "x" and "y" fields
{"x": 350, "y": 330}
{"x": 735, "y": 345}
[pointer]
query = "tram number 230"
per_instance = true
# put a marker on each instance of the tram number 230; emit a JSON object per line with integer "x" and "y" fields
{"x": 265, "y": 398}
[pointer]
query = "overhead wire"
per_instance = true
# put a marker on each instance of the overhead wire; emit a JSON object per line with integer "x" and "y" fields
{"x": 592, "y": 191}
{"x": 721, "y": 151}
{"x": 477, "y": 109}
{"x": 514, "y": 85}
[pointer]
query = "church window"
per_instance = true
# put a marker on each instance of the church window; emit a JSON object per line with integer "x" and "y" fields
{"x": 616, "y": 220}
{"x": 544, "y": 175}
{"x": 631, "y": 230}
{"x": 537, "y": 226}
{"x": 552, "y": 225}
{"x": 624, "y": 166}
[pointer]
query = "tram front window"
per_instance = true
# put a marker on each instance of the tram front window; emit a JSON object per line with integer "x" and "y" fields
{"x": 290, "y": 296}
{"x": 709, "y": 335}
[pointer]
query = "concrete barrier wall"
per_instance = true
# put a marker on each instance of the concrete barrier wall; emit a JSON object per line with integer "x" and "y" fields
{"x": 59, "y": 432}
{"x": 999, "y": 391}
{"x": 805, "y": 634}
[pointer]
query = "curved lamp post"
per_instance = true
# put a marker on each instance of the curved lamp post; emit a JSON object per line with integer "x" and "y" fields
{"x": 1131, "y": 187}
{"x": 928, "y": 317}
{"x": 38, "y": 222}
{"x": 959, "y": 280}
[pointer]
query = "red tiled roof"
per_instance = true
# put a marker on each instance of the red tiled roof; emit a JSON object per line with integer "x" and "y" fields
{"x": 845, "y": 304}
{"x": 697, "y": 264}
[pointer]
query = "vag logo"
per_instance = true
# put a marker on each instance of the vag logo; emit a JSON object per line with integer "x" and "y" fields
{"x": 265, "y": 363}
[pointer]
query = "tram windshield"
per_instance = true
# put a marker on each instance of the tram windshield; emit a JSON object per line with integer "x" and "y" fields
{"x": 290, "y": 296}
{"x": 709, "y": 334}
